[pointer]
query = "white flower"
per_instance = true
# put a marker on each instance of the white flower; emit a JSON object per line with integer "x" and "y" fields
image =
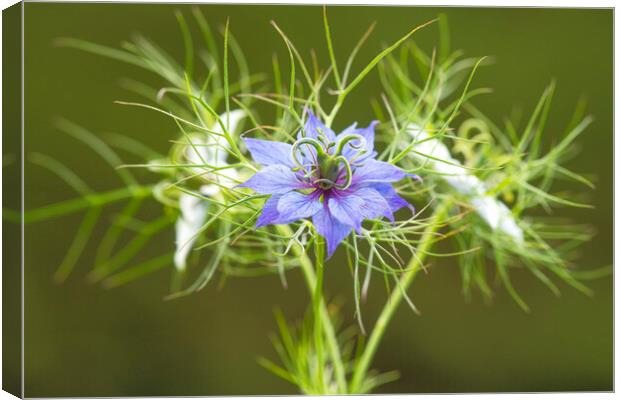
{"x": 193, "y": 215}
{"x": 210, "y": 149}
{"x": 491, "y": 210}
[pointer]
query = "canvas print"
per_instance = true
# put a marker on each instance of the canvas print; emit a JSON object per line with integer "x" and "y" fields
{"x": 218, "y": 199}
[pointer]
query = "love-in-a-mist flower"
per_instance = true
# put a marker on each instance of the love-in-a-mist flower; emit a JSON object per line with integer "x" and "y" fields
{"x": 207, "y": 149}
{"x": 335, "y": 180}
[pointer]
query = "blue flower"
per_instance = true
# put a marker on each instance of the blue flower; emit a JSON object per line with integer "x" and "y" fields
{"x": 336, "y": 180}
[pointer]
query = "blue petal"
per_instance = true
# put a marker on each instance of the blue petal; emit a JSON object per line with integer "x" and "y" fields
{"x": 375, "y": 205}
{"x": 352, "y": 207}
{"x": 274, "y": 179}
{"x": 314, "y": 127}
{"x": 393, "y": 199}
{"x": 378, "y": 171}
{"x": 270, "y": 214}
{"x": 267, "y": 152}
{"x": 346, "y": 209}
{"x": 294, "y": 205}
{"x": 289, "y": 207}
{"x": 330, "y": 228}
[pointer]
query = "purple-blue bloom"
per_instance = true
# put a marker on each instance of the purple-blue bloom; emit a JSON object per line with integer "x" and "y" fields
{"x": 335, "y": 179}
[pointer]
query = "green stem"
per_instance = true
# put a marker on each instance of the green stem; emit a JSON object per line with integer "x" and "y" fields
{"x": 112, "y": 234}
{"x": 132, "y": 248}
{"x": 78, "y": 244}
{"x": 339, "y": 101}
{"x": 396, "y": 297}
{"x": 330, "y": 48}
{"x": 91, "y": 200}
{"x": 328, "y": 329}
{"x": 319, "y": 252}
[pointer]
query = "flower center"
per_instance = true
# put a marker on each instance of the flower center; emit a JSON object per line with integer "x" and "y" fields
{"x": 328, "y": 169}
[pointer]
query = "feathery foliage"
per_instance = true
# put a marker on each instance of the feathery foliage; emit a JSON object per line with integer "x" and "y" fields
{"x": 482, "y": 187}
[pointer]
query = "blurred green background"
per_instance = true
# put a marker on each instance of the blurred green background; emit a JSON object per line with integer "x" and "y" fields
{"x": 82, "y": 340}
